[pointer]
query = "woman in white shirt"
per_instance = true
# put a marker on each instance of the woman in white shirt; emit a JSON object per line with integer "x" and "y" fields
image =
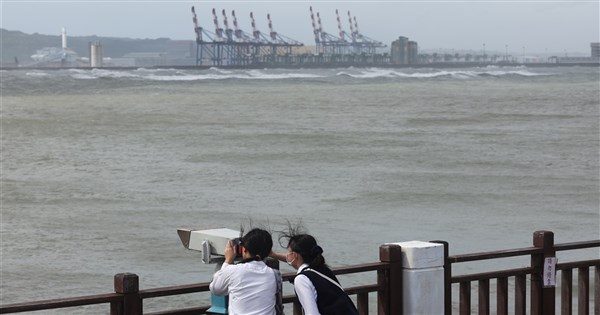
{"x": 316, "y": 286}
{"x": 250, "y": 284}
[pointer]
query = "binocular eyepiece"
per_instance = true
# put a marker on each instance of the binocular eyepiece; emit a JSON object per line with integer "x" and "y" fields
{"x": 237, "y": 245}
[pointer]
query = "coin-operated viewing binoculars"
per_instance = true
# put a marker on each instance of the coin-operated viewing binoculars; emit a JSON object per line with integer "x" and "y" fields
{"x": 212, "y": 244}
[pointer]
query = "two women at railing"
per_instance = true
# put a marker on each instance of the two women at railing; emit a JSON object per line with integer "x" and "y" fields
{"x": 254, "y": 288}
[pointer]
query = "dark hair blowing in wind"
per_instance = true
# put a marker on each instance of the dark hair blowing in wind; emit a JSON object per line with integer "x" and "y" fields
{"x": 303, "y": 244}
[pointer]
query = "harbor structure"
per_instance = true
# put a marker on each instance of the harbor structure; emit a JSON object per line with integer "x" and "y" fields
{"x": 56, "y": 56}
{"x": 235, "y": 47}
{"x": 353, "y": 43}
{"x": 594, "y": 57}
{"x": 232, "y": 46}
{"x": 404, "y": 52}
{"x": 96, "y": 54}
{"x": 595, "y": 50}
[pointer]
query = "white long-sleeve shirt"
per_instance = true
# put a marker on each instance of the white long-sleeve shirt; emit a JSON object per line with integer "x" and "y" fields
{"x": 251, "y": 287}
{"x": 306, "y": 292}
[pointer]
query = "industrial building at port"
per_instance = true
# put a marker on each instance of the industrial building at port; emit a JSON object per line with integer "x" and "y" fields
{"x": 225, "y": 45}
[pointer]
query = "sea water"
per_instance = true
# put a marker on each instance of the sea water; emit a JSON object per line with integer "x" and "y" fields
{"x": 100, "y": 167}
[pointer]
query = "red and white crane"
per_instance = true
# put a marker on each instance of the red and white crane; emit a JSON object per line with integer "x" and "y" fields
{"x": 255, "y": 31}
{"x": 236, "y": 29}
{"x": 314, "y": 25}
{"x": 218, "y": 30}
{"x": 228, "y": 31}
{"x": 352, "y": 32}
{"x": 196, "y": 26}
{"x": 339, "y": 23}
{"x": 272, "y": 33}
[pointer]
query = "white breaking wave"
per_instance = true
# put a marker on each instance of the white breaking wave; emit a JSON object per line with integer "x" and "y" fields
{"x": 36, "y": 74}
{"x": 181, "y": 75}
{"x": 279, "y": 74}
{"x": 455, "y": 74}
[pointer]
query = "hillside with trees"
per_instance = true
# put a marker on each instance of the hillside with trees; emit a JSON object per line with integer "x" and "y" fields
{"x": 16, "y": 44}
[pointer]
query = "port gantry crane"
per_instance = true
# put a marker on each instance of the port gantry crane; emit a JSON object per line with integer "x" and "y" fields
{"x": 235, "y": 47}
{"x": 356, "y": 43}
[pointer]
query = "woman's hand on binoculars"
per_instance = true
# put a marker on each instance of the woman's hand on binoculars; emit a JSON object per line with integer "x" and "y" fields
{"x": 229, "y": 252}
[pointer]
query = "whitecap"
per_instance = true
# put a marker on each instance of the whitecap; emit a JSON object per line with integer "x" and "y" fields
{"x": 36, "y": 74}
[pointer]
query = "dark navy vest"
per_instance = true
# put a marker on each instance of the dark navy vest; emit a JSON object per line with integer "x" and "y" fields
{"x": 331, "y": 300}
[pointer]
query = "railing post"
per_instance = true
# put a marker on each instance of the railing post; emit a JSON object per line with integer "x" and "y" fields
{"x": 389, "y": 301}
{"x": 128, "y": 285}
{"x": 422, "y": 278}
{"x": 542, "y": 298}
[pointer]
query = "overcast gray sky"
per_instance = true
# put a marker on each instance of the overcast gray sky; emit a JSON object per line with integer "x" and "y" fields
{"x": 530, "y": 26}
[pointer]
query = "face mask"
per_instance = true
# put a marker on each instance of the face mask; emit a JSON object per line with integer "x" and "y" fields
{"x": 287, "y": 261}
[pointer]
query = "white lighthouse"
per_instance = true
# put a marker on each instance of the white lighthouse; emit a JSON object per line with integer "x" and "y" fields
{"x": 64, "y": 38}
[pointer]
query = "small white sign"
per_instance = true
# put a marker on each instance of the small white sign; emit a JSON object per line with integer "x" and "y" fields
{"x": 549, "y": 272}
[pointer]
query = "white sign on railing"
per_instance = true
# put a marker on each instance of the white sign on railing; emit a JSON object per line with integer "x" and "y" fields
{"x": 549, "y": 272}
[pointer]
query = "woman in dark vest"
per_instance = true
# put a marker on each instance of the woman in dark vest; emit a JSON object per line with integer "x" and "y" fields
{"x": 316, "y": 286}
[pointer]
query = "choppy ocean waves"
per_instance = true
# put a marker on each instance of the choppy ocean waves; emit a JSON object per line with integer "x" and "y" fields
{"x": 56, "y": 81}
{"x": 189, "y": 75}
{"x": 432, "y": 74}
{"x": 166, "y": 75}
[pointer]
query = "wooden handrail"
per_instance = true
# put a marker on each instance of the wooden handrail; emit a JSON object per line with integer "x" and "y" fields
{"x": 174, "y": 290}
{"x": 577, "y": 245}
{"x": 60, "y": 303}
{"x": 491, "y": 275}
{"x": 578, "y": 264}
{"x": 494, "y": 254}
{"x": 520, "y": 251}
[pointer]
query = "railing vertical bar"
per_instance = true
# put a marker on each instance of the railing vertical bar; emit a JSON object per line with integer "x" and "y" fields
{"x": 362, "y": 303}
{"x": 597, "y": 290}
{"x": 566, "y": 292}
{"x": 465, "y": 298}
{"x": 484, "y": 297}
{"x": 520, "y": 295}
{"x": 297, "y": 309}
{"x": 502, "y": 296}
{"x": 583, "y": 296}
{"x": 382, "y": 307}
